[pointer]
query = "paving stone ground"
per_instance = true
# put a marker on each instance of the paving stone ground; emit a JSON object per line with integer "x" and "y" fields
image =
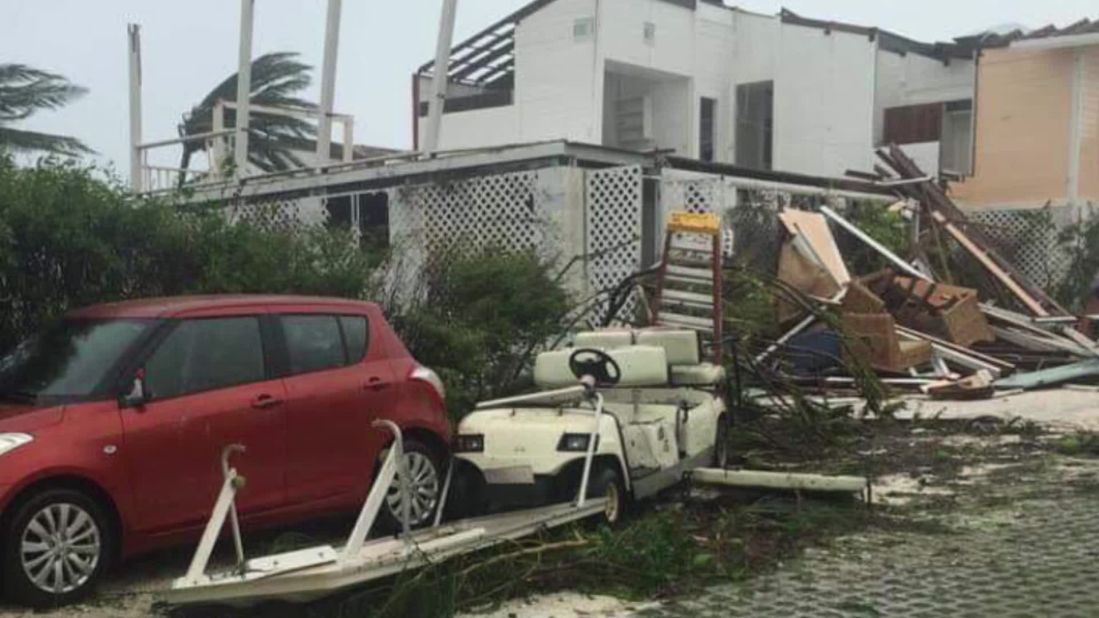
{"x": 1037, "y": 554}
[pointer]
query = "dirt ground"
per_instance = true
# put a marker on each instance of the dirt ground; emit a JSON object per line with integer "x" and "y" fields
{"x": 991, "y": 496}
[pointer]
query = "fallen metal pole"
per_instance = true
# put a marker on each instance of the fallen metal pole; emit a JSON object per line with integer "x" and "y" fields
{"x": 780, "y": 480}
{"x": 873, "y": 244}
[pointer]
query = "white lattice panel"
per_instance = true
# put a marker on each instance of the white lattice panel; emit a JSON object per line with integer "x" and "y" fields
{"x": 280, "y": 214}
{"x": 504, "y": 210}
{"x": 1030, "y": 247}
{"x": 613, "y": 221}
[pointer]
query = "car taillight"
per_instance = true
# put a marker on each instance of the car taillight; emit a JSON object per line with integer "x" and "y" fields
{"x": 429, "y": 377}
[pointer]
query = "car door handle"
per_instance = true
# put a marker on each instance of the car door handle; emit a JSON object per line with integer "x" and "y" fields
{"x": 375, "y": 384}
{"x": 263, "y": 402}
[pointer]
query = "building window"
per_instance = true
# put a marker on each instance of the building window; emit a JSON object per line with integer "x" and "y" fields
{"x": 949, "y": 124}
{"x": 634, "y": 123}
{"x": 707, "y": 109}
{"x": 650, "y": 33}
{"x": 755, "y": 120}
{"x": 365, "y": 214}
{"x": 956, "y": 150}
{"x": 913, "y": 124}
{"x": 583, "y": 29}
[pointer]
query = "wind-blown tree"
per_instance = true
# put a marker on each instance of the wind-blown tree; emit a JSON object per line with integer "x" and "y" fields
{"x": 276, "y": 80}
{"x": 25, "y": 90}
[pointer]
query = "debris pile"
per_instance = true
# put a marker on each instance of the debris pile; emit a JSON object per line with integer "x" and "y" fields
{"x": 917, "y": 328}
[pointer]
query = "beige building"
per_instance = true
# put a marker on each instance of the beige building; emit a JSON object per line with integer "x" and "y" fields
{"x": 1036, "y": 121}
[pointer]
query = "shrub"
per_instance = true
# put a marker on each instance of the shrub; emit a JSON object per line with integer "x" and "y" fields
{"x": 69, "y": 238}
{"x": 477, "y": 318}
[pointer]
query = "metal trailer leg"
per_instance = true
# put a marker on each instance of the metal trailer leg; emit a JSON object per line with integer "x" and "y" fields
{"x": 446, "y": 492}
{"x": 225, "y": 506}
{"x": 592, "y": 439}
{"x": 376, "y": 498}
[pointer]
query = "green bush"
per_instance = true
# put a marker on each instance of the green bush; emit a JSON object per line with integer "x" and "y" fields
{"x": 69, "y": 238}
{"x": 478, "y": 318}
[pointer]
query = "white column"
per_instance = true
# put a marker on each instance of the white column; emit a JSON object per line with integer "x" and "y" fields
{"x": 244, "y": 86}
{"x": 328, "y": 84}
{"x": 439, "y": 83}
{"x": 134, "y": 42}
{"x": 1075, "y": 128}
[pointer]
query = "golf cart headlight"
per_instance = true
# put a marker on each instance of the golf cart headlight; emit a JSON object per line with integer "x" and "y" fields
{"x": 576, "y": 442}
{"x": 470, "y": 443}
{"x": 10, "y": 441}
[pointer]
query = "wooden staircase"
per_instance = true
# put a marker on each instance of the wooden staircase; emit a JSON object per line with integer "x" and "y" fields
{"x": 688, "y": 287}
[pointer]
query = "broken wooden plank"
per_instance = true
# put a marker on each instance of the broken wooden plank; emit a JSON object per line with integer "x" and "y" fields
{"x": 982, "y": 256}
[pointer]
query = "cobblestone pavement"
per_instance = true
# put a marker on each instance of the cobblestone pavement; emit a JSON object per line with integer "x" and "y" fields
{"x": 1036, "y": 554}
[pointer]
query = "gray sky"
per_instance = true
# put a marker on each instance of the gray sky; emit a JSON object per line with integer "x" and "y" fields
{"x": 191, "y": 45}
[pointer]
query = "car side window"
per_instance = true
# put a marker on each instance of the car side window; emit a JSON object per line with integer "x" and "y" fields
{"x": 206, "y": 354}
{"x": 356, "y": 336}
{"x": 313, "y": 343}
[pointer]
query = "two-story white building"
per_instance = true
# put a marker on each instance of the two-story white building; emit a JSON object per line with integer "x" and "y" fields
{"x": 707, "y": 81}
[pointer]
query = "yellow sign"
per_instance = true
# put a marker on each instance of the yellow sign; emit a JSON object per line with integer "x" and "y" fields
{"x": 695, "y": 223}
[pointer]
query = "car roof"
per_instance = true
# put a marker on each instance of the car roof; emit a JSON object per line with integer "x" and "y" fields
{"x": 179, "y": 305}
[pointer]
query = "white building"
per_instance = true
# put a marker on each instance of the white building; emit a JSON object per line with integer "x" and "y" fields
{"x": 706, "y": 81}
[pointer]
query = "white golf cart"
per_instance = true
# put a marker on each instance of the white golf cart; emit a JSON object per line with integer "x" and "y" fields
{"x": 663, "y": 415}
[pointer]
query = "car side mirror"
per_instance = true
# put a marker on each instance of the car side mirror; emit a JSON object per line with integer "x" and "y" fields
{"x": 137, "y": 396}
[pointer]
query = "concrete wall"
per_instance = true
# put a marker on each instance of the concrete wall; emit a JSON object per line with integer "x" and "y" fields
{"x": 1024, "y": 102}
{"x": 824, "y": 101}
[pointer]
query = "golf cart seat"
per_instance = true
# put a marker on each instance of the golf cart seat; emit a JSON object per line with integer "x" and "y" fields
{"x": 641, "y": 366}
{"x": 682, "y": 350}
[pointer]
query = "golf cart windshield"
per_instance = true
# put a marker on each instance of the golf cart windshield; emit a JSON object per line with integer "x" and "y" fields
{"x": 69, "y": 360}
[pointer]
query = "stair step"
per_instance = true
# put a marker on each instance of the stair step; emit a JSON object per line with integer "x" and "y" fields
{"x": 692, "y": 322}
{"x": 687, "y": 273}
{"x": 692, "y": 299}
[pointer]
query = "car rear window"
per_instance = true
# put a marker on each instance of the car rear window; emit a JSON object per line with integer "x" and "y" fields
{"x": 313, "y": 342}
{"x": 316, "y": 342}
{"x": 355, "y": 336}
{"x": 206, "y": 354}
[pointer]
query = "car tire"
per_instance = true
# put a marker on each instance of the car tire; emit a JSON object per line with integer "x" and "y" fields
{"x": 607, "y": 482}
{"x": 56, "y": 546}
{"x": 721, "y": 443}
{"x": 427, "y": 488}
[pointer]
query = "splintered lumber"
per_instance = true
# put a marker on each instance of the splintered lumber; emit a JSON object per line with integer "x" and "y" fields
{"x": 813, "y": 228}
{"x": 936, "y": 201}
{"x": 780, "y": 480}
{"x": 1051, "y": 377}
{"x": 982, "y": 256}
{"x": 959, "y": 355}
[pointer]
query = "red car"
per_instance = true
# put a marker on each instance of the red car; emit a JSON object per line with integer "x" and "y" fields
{"x": 112, "y": 422}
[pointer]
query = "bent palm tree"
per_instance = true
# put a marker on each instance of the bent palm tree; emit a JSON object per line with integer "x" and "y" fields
{"x": 276, "y": 78}
{"x": 25, "y": 90}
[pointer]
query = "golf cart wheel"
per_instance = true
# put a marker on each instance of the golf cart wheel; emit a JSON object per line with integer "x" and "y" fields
{"x": 56, "y": 546}
{"x": 426, "y": 488}
{"x": 721, "y": 442}
{"x": 606, "y": 484}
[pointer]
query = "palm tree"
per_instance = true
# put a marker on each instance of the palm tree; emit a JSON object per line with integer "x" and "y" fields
{"x": 276, "y": 79}
{"x": 25, "y": 90}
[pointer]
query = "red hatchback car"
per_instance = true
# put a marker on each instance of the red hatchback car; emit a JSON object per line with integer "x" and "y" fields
{"x": 112, "y": 422}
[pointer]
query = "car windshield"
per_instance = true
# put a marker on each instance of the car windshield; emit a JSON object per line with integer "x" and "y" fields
{"x": 68, "y": 360}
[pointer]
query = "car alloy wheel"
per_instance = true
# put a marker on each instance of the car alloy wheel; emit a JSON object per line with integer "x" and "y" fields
{"x": 60, "y": 548}
{"x": 423, "y": 488}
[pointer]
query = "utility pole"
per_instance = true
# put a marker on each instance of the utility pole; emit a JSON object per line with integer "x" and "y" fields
{"x": 328, "y": 86}
{"x": 439, "y": 83}
{"x": 244, "y": 87}
{"x": 133, "y": 32}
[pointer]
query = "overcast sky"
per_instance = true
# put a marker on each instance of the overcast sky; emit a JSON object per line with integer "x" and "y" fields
{"x": 190, "y": 45}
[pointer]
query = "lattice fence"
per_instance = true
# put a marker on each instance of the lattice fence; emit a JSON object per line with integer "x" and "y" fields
{"x": 1028, "y": 238}
{"x": 505, "y": 211}
{"x": 613, "y": 220}
{"x": 280, "y": 213}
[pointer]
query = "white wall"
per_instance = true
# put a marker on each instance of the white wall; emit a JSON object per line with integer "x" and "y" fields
{"x": 913, "y": 79}
{"x": 824, "y": 101}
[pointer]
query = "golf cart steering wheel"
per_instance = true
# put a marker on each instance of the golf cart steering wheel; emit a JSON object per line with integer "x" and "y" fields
{"x": 597, "y": 364}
